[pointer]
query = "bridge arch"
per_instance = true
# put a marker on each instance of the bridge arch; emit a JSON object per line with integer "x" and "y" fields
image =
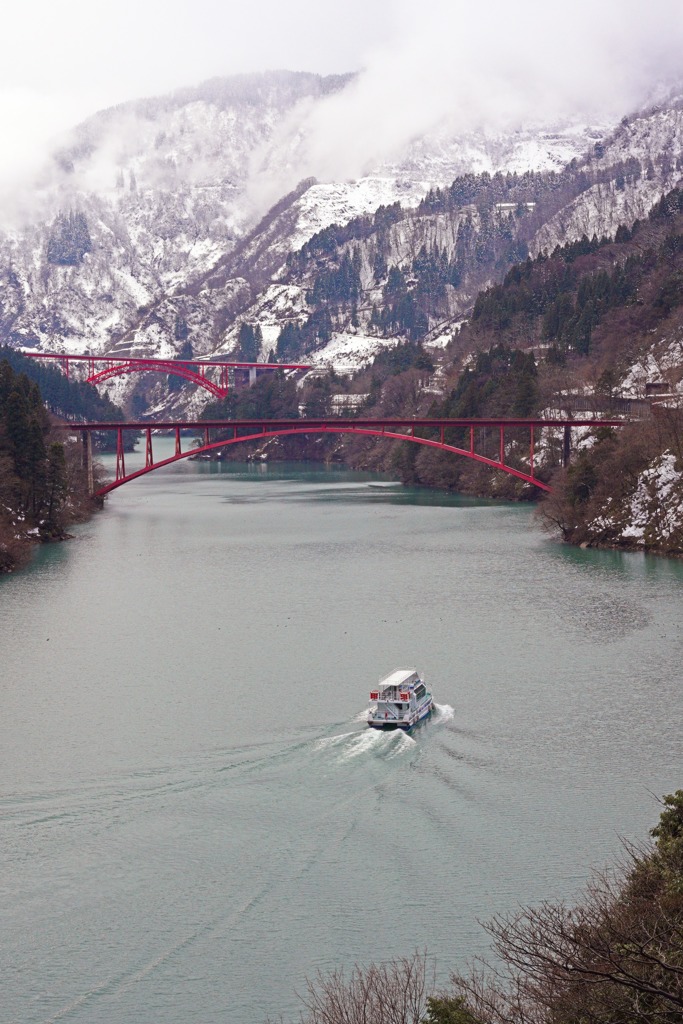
{"x": 214, "y": 375}
{"x": 171, "y": 368}
{"x": 321, "y": 428}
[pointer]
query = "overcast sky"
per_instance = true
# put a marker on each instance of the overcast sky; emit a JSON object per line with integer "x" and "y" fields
{"x": 63, "y": 59}
{"x": 76, "y": 56}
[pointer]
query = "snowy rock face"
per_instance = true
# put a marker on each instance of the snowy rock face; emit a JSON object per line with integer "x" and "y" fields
{"x": 653, "y": 141}
{"x": 651, "y": 515}
{"x": 182, "y": 246}
{"x": 537, "y": 147}
{"x": 661, "y": 364}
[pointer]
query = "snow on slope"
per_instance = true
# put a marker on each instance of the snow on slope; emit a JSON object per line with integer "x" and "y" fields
{"x": 535, "y": 146}
{"x": 651, "y": 514}
{"x": 653, "y": 138}
{"x": 435, "y": 162}
{"x": 338, "y": 202}
{"x": 166, "y": 186}
{"x": 661, "y": 364}
{"x": 660, "y": 484}
{"x": 347, "y": 353}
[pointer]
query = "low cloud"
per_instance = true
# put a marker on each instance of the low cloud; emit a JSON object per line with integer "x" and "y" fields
{"x": 445, "y": 67}
{"x": 33, "y": 125}
{"x": 456, "y": 66}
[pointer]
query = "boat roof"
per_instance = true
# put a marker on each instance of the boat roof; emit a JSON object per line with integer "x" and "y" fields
{"x": 400, "y": 677}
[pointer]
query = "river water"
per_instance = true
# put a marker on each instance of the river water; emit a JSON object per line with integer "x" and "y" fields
{"x": 194, "y": 817}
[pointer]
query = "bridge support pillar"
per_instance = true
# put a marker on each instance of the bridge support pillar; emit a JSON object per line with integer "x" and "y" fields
{"x": 252, "y": 375}
{"x": 567, "y": 446}
{"x": 120, "y": 456}
{"x": 86, "y": 459}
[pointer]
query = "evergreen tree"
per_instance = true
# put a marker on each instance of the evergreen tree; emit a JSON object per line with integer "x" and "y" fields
{"x": 23, "y": 430}
{"x": 69, "y": 399}
{"x": 181, "y": 329}
{"x": 17, "y": 431}
{"x": 249, "y": 343}
{"x": 69, "y": 240}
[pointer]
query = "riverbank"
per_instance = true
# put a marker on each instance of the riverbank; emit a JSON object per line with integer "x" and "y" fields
{"x": 649, "y": 517}
{"x": 19, "y": 538}
{"x": 44, "y": 488}
{"x": 16, "y": 543}
{"x": 623, "y": 490}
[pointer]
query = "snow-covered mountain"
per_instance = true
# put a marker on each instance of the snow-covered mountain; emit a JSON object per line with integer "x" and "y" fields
{"x": 653, "y": 138}
{"x": 151, "y": 226}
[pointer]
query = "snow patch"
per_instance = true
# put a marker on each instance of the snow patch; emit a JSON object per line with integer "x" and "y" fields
{"x": 347, "y": 353}
{"x": 339, "y": 202}
{"x": 661, "y": 364}
{"x": 651, "y": 516}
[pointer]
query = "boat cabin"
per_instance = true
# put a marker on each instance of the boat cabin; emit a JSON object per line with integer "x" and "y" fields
{"x": 397, "y": 695}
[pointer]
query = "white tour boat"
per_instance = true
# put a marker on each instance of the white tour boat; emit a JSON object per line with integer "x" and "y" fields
{"x": 400, "y": 701}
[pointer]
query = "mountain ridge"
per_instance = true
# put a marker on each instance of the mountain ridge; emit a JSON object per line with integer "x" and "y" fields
{"x": 176, "y": 256}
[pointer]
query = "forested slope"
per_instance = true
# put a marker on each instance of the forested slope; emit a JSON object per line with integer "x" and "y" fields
{"x": 43, "y": 489}
{"x": 562, "y": 335}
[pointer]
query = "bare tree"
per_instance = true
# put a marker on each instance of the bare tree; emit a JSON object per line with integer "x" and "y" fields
{"x": 615, "y": 958}
{"x": 394, "y": 992}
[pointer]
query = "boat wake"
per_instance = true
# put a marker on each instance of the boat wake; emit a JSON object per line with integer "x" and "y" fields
{"x": 443, "y": 713}
{"x": 350, "y": 745}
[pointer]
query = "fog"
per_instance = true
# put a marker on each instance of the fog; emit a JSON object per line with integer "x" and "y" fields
{"x": 461, "y": 67}
{"x": 453, "y": 66}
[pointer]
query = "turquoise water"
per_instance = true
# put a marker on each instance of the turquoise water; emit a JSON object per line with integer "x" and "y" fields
{"x": 194, "y": 817}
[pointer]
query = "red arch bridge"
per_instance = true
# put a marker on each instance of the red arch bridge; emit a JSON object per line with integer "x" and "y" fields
{"x": 201, "y": 437}
{"x": 214, "y": 375}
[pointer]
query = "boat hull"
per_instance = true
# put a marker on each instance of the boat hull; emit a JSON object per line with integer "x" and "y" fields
{"x": 403, "y": 726}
